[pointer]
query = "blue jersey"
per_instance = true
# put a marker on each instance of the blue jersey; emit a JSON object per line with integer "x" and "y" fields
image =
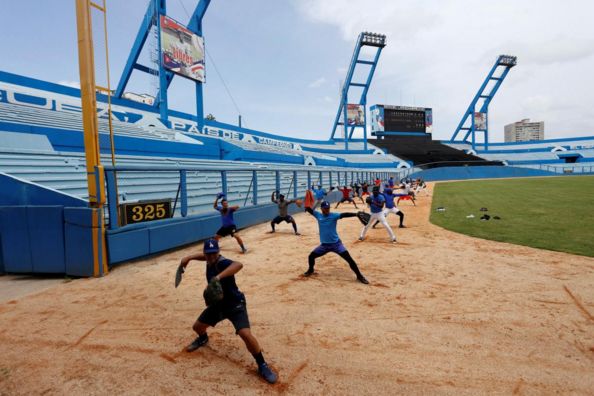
{"x": 377, "y": 203}
{"x": 227, "y": 217}
{"x": 389, "y": 200}
{"x": 319, "y": 194}
{"x": 327, "y": 225}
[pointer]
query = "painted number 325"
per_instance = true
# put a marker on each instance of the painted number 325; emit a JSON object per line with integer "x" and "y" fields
{"x": 148, "y": 212}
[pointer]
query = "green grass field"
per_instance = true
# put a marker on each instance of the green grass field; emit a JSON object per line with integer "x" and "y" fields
{"x": 555, "y": 213}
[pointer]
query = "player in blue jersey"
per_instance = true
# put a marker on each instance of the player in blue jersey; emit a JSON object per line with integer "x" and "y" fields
{"x": 391, "y": 207}
{"x": 329, "y": 240}
{"x": 376, "y": 204}
{"x": 319, "y": 194}
{"x": 228, "y": 226}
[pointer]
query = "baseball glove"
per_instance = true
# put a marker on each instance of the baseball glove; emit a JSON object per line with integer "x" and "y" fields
{"x": 178, "y": 275}
{"x": 363, "y": 217}
{"x": 213, "y": 294}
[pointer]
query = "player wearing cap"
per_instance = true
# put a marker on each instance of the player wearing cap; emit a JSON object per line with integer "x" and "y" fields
{"x": 346, "y": 197}
{"x": 231, "y": 307}
{"x": 228, "y": 227}
{"x": 283, "y": 213}
{"x": 329, "y": 240}
{"x": 376, "y": 203}
{"x": 391, "y": 207}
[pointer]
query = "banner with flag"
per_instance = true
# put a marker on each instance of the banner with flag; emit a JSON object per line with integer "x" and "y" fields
{"x": 182, "y": 51}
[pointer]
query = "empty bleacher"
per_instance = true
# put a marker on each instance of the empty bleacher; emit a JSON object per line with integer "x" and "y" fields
{"x": 427, "y": 153}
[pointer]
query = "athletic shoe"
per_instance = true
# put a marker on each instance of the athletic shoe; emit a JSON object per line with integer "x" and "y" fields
{"x": 360, "y": 238}
{"x": 266, "y": 373}
{"x": 297, "y": 233}
{"x": 394, "y": 240}
{"x": 401, "y": 226}
{"x": 362, "y": 280}
{"x": 308, "y": 272}
{"x": 198, "y": 342}
{"x": 243, "y": 250}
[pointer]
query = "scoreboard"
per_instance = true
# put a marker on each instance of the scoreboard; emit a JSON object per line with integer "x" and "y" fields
{"x": 386, "y": 118}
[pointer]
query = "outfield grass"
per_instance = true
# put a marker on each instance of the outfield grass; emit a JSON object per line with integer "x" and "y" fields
{"x": 555, "y": 213}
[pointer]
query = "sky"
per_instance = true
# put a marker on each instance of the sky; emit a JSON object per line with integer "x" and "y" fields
{"x": 283, "y": 61}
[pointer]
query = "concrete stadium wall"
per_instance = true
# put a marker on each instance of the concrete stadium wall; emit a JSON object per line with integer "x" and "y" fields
{"x": 478, "y": 172}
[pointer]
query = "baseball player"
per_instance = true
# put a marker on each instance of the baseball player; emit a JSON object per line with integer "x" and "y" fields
{"x": 228, "y": 227}
{"x": 319, "y": 194}
{"x": 283, "y": 214}
{"x": 391, "y": 207}
{"x": 364, "y": 191}
{"x": 376, "y": 204}
{"x": 329, "y": 239}
{"x": 346, "y": 197}
{"x": 231, "y": 307}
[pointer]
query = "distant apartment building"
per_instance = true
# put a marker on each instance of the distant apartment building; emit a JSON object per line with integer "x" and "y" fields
{"x": 524, "y": 131}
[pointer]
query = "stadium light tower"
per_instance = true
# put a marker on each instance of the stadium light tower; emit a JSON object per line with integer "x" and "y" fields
{"x": 357, "y": 110}
{"x": 152, "y": 17}
{"x": 474, "y": 121}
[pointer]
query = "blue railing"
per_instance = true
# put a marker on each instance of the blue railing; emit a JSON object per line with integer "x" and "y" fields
{"x": 193, "y": 188}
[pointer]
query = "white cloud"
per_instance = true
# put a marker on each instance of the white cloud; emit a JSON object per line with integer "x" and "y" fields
{"x": 440, "y": 51}
{"x": 70, "y": 83}
{"x": 317, "y": 83}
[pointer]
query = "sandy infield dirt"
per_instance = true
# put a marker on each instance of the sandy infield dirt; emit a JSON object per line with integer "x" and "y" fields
{"x": 444, "y": 314}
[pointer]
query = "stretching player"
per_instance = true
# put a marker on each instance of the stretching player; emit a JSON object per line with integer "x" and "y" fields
{"x": 283, "y": 214}
{"x": 319, "y": 194}
{"x": 232, "y": 307}
{"x": 391, "y": 207}
{"x": 228, "y": 227}
{"x": 330, "y": 241}
{"x": 346, "y": 197}
{"x": 376, "y": 204}
{"x": 364, "y": 191}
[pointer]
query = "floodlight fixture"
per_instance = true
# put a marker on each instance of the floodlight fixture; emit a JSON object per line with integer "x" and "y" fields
{"x": 373, "y": 39}
{"x": 507, "y": 60}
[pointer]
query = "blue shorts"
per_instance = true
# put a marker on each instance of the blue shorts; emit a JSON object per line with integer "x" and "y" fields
{"x": 324, "y": 248}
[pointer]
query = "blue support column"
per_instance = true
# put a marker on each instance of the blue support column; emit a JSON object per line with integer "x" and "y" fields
{"x": 255, "y": 187}
{"x": 162, "y": 96}
{"x": 110, "y": 181}
{"x": 295, "y": 184}
{"x": 183, "y": 192}
{"x": 308, "y": 180}
{"x": 277, "y": 181}
{"x": 224, "y": 181}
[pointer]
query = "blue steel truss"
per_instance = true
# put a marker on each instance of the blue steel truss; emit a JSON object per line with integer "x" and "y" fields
{"x": 155, "y": 9}
{"x": 502, "y": 66}
{"x": 365, "y": 39}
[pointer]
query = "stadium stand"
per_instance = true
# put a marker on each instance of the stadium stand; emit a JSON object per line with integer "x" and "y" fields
{"x": 423, "y": 150}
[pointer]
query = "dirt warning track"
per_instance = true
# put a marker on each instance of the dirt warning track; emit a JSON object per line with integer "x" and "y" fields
{"x": 444, "y": 314}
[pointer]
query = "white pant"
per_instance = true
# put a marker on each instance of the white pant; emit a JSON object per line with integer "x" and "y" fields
{"x": 394, "y": 210}
{"x": 382, "y": 219}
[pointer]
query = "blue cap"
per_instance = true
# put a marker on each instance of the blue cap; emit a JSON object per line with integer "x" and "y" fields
{"x": 325, "y": 205}
{"x": 211, "y": 246}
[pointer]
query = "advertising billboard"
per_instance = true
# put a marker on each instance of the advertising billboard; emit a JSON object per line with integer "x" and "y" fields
{"x": 429, "y": 120}
{"x": 182, "y": 51}
{"x": 355, "y": 115}
{"x": 377, "y": 118}
{"x": 480, "y": 120}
